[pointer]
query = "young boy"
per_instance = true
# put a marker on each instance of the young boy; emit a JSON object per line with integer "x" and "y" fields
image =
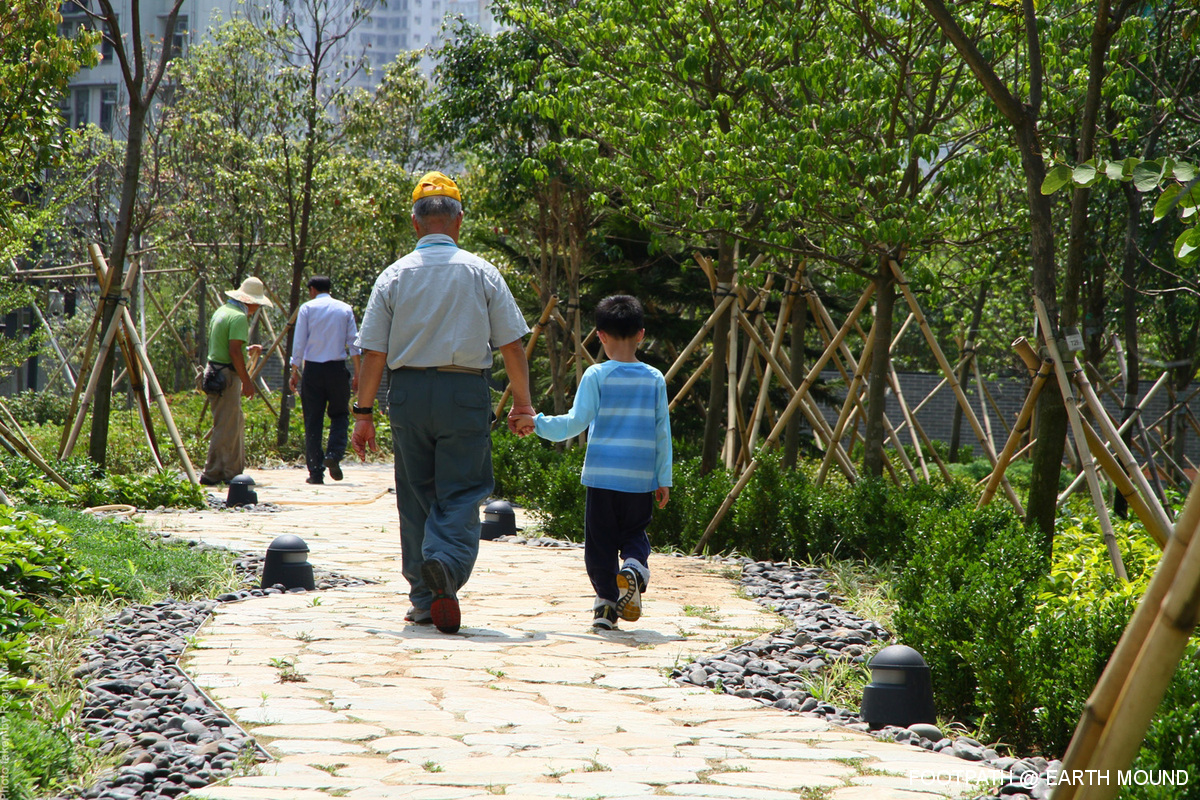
{"x": 622, "y": 403}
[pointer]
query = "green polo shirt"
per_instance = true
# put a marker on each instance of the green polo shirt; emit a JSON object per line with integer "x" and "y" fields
{"x": 229, "y": 322}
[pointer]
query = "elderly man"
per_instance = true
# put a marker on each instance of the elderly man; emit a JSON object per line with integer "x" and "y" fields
{"x": 433, "y": 320}
{"x": 228, "y": 332}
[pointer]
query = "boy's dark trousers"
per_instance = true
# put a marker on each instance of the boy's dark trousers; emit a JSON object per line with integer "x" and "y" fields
{"x": 325, "y": 385}
{"x": 614, "y": 530}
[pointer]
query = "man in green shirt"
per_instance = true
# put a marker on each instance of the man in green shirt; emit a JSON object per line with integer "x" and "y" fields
{"x": 227, "y": 334}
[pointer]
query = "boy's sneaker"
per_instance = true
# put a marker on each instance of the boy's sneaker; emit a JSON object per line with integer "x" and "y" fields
{"x": 444, "y": 609}
{"x": 629, "y": 603}
{"x": 605, "y": 617}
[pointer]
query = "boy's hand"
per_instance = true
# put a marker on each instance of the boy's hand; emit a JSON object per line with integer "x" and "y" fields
{"x": 521, "y": 424}
{"x": 662, "y": 494}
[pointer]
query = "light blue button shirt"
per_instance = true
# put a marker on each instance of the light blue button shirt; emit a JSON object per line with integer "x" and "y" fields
{"x": 325, "y": 331}
{"x": 440, "y": 306}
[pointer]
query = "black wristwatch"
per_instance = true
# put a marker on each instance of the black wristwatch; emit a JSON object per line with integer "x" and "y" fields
{"x": 360, "y": 410}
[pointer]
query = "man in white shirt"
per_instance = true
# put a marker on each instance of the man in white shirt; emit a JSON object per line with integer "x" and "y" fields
{"x": 434, "y": 319}
{"x": 325, "y": 333}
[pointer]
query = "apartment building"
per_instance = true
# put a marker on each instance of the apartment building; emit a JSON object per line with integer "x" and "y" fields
{"x": 96, "y": 95}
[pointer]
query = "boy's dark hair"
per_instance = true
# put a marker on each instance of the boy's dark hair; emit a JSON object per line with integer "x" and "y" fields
{"x": 321, "y": 283}
{"x": 620, "y": 315}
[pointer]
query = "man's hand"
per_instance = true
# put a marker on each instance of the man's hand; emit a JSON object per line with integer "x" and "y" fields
{"x": 363, "y": 437}
{"x": 662, "y": 494}
{"x": 522, "y": 424}
{"x": 293, "y": 382}
{"x": 515, "y": 417}
{"x": 247, "y": 389}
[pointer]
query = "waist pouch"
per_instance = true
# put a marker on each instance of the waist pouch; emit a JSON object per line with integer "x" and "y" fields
{"x": 214, "y": 381}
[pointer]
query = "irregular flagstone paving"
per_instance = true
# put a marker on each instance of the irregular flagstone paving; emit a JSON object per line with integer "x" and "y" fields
{"x": 527, "y": 700}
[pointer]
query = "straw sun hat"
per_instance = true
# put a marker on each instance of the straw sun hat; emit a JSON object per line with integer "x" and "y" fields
{"x": 251, "y": 291}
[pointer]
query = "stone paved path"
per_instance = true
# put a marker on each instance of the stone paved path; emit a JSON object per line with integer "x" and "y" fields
{"x": 526, "y": 701}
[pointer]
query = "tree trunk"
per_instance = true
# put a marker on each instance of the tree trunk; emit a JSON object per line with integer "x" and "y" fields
{"x": 799, "y": 322}
{"x": 877, "y": 380}
{"x": 1046, "y": 458}
{"x": 102, "y": 401}
{"x": 714, "y": 433}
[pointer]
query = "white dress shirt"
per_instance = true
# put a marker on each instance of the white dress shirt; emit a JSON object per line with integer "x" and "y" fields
{"x": 325, "y": 331}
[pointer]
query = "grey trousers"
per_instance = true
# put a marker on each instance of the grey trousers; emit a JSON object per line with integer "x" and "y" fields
{"x": 441, "y": 437}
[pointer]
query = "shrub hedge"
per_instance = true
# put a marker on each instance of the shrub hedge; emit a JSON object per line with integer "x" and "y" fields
{"x": 1015, "y": 640}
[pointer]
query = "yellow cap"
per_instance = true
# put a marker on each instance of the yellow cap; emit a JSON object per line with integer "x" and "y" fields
{"x": 435, "y": 184}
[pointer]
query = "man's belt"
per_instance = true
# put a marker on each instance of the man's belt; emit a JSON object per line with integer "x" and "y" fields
{"x": 448, "y": 368}
{"x": 219, "y": 365}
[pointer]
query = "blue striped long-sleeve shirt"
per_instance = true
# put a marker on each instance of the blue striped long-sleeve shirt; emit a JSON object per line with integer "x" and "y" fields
{"x": 623, "y": 407}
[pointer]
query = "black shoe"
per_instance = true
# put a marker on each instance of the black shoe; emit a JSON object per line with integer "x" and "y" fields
{"x": 315, "y": 479}
{"x": 444, "y": 608}
{"x": 207, "y": 481}
{"x": 605, "y": 618}
{"x": 629, "y": 603}
{"x": 334, "y": 466}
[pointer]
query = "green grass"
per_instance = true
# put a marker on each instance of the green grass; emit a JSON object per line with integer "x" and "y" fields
{"x": 41, "y": 749}
{"x": 141, "y": 567}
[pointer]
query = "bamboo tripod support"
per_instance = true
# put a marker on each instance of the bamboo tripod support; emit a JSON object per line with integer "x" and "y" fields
{"x": 14, "y": 438}
{"x": 1085, "y": 456}
{"x": 543, "y": 320}
{"x": 156, "y": 391}
{"x": 1119, "y": 709}
{"x": 1041, "y": 370}
{"x": 796, "y": 402}
{"x": 94, "y": 375}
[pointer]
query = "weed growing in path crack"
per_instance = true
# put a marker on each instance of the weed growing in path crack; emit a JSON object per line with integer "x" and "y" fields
{"x": 432, "y": 766}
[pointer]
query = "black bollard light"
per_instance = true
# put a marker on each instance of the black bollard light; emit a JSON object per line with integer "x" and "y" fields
{"x": 900, "y": 692}
{"x": 240, "y": 493}
{"x": 498, "y": 520}
{"x": 286, "y": 562}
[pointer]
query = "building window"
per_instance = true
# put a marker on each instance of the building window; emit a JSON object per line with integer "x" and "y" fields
{"x": 106, "y": 43}
{"x": 83, "y": 98}
{"x": 179, "y": 37}
{"x": 108, "y": 108}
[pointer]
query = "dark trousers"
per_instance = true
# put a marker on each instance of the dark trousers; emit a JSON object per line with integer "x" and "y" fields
{"x": 441, "y": 436}
{"x": 325, "y": 388}
{"x": 614, "y": 529}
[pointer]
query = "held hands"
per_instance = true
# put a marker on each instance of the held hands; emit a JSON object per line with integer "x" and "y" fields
{"x": 662, "y": 494}
{"x": 520, "y": 420}
{"x": 521, "y": 424}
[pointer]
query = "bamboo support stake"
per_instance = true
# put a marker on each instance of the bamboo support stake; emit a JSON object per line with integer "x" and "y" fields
{"x": 849, "y": 405}
{"x": 155, "y": 388}
{"x": 137, "y": 381}
{"x": 1118, "y": 711}
{"x": 1124, "y": 456}
{"x": 106, "y": 342}
{"x": 784, "y": 378}
{"x": 683, "y": 390}
{"x": 543, "y": 320}
{"x": 1085, "y": 456}
{"x": 1021, "y": 426}
{"x": 86, "y": 365}
{"x": 915, "y": 307}
{"x": 918, "y": 435}
{"x": 785, "y": 313}
{"x": 64, "y": 364}
{"x": 1125, "y": 486}
{"x": 796, "y": 401}
{"x": 14, "y": 441}
{"x": 699, "y": 337}
{"x": 983, "y": 408}
{"x": 731, "y": 356}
